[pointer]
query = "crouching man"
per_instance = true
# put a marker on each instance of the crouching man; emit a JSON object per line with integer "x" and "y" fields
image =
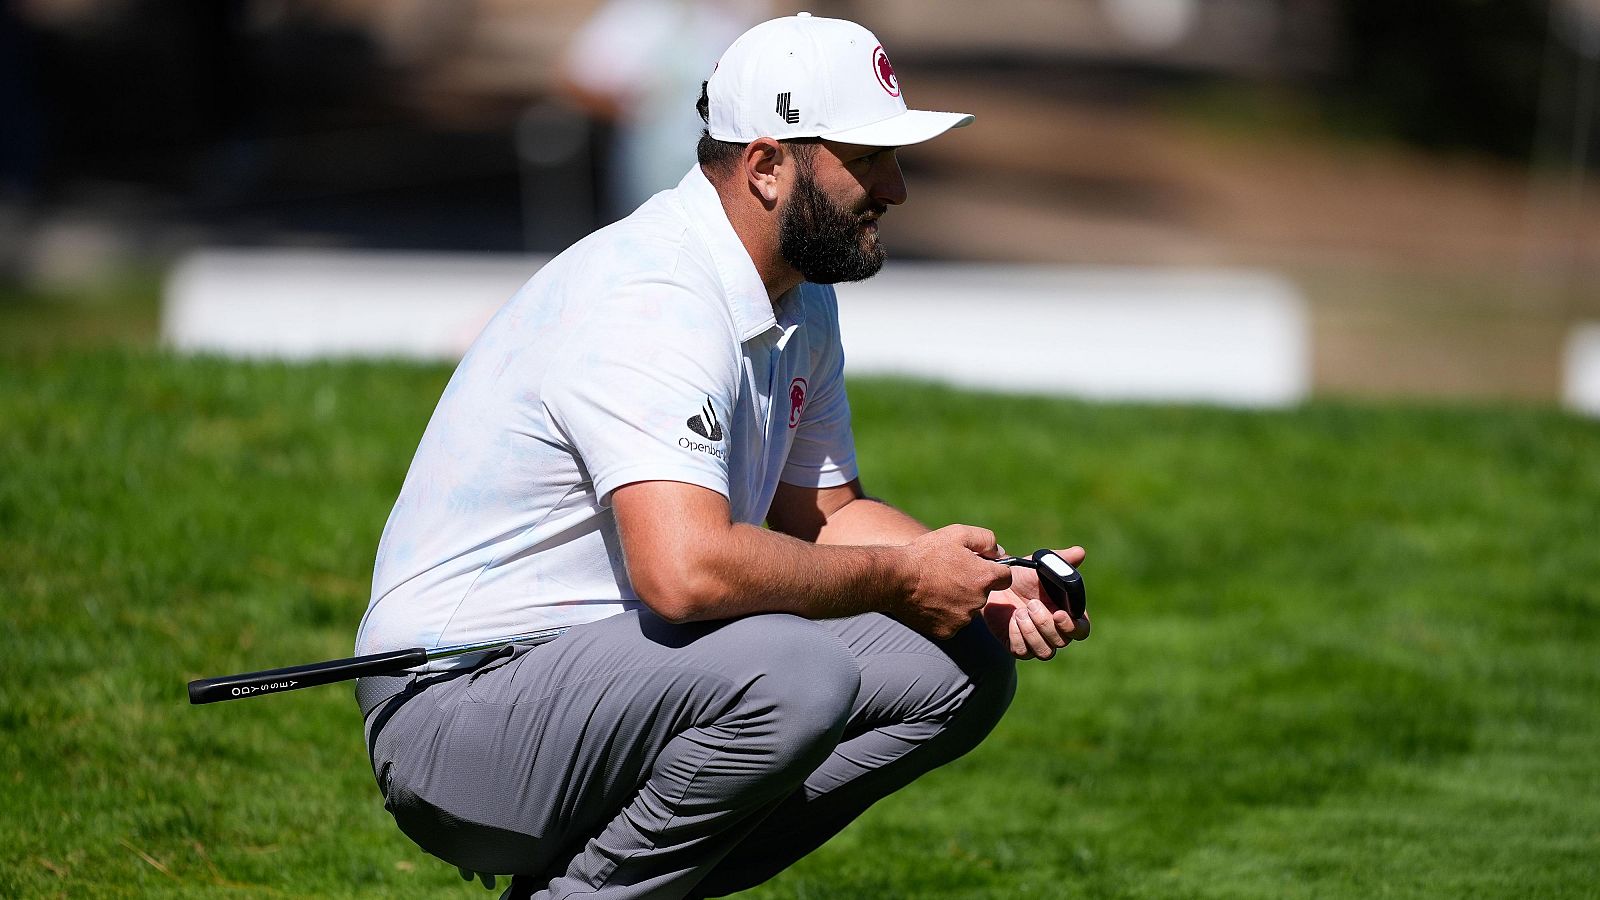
{"x": 727, "y": 696}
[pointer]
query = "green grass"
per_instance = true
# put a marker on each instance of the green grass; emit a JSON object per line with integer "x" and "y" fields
{"x": 1342, "y": 651}
{"x": 121, "y": 308}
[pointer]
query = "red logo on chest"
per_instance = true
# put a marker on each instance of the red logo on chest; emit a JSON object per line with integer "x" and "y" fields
{"x": 797, "y": 400}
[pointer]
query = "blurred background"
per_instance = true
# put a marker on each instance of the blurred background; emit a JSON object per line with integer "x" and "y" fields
{"x": 1421, "y": 173}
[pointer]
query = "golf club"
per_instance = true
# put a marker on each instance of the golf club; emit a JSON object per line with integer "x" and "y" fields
{"x": 293, "y": 678}
{"x": 1062, "y": 585}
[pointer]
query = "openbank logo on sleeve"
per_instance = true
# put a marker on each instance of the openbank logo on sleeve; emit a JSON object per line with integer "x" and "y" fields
{"x": 706, "y": 424}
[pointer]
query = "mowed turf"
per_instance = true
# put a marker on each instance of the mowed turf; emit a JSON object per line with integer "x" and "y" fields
{"x": 1341, "y": 651}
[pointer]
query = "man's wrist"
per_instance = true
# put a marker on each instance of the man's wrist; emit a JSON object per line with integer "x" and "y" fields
{"x": 896, "y": 561}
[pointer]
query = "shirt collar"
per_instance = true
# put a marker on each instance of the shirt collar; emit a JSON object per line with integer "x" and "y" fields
{"x": 741, "y": 283}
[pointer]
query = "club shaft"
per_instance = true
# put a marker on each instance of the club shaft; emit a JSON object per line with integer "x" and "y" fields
{"x": 293, "y": 678}
{"x": 531, "y": 637}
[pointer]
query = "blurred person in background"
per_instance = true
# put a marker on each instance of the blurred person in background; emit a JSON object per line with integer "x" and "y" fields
{"x": 629, "y": 67}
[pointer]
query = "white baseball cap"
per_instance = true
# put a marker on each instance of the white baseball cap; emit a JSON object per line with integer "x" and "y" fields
{"x": 807, "y": 76}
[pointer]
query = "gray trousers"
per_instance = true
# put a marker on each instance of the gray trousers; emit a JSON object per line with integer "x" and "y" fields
{"x": 634, "y": 758}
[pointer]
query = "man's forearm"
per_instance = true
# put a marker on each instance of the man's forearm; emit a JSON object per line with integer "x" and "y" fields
{"x": 934, "y": 582}
{"x": 842, "y": 573}
{"x": 688, "y": 562}
{"x": 812, "y": 580}
{"x": 865, "y": 521}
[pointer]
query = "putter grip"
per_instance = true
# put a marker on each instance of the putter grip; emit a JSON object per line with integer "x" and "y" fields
{"x": 293, "y": 678}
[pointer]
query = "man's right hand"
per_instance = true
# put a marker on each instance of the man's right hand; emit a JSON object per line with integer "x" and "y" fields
{"x": 951, "y": 571}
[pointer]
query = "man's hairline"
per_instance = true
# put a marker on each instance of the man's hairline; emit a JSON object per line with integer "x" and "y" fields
{"x": 727, "y": 168}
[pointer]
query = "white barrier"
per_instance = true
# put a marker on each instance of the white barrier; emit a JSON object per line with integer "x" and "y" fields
{"x": 1204, "y": 335}
{"x": 1580, "y": 388}
{"x": 302, "y": 304}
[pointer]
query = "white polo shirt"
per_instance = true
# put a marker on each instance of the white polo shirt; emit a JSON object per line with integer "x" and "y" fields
{"x": 647, "y": 351}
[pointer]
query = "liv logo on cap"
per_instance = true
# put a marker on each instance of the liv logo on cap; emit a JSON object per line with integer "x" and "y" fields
{"x": 885, "y": 72}
{"x": 806, "y": 76}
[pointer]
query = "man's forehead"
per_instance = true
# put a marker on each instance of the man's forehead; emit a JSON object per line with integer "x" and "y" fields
{"x": 846, "y": 151}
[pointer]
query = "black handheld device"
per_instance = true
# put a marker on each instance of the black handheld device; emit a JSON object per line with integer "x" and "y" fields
{"x": 1061, "y": 580}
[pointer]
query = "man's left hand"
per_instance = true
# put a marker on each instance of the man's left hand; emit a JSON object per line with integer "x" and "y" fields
{"x": 1023, "y": 619}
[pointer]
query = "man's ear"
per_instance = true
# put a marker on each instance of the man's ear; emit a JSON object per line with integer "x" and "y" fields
{"x": 761, "y": 160}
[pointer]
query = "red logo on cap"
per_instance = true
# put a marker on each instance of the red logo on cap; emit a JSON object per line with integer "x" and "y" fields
{"x": 885, "y": 72}
{"x": 797, "y": 400}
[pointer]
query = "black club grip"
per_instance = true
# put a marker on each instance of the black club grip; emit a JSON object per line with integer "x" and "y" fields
{"x": 293, "y": 678}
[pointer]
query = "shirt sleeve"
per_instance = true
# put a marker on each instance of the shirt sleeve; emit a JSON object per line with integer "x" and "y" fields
{"x": 643, "y": 391}
{"x": 824, "y": 450}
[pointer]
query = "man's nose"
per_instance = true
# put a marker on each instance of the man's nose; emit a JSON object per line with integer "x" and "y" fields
{"x": 889, "y": 187}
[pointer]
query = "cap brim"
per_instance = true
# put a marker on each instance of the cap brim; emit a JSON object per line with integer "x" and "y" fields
{"x": 910, "y": 127}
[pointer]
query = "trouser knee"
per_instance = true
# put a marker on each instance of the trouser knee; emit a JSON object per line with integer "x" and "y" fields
{"x": 806, "y": 686}
{"x": 992, "y": 671}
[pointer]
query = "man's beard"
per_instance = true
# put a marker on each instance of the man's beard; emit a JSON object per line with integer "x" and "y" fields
{"x": 824, "y": 241}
